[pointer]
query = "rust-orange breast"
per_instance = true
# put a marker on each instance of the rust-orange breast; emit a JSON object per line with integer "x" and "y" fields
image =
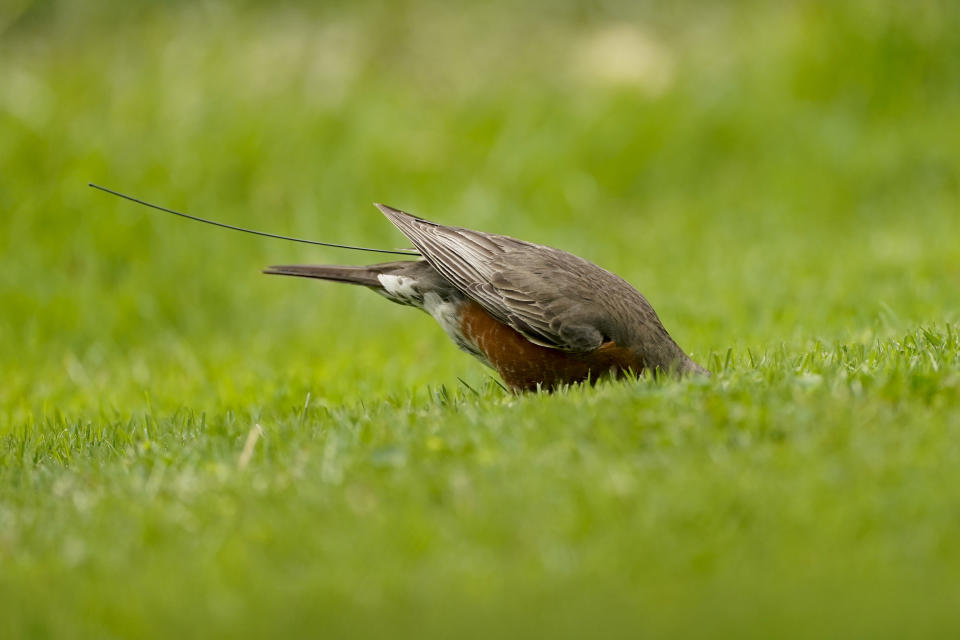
{"x": 523, "y": 365}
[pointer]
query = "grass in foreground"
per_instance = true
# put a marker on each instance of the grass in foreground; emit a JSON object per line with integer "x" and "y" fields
{"x": 815, "y": 488}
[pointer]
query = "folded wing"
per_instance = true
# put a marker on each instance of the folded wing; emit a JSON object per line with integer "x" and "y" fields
{"x": 547, "y": 295}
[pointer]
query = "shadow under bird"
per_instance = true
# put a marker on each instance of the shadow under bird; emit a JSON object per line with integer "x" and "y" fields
{"x": 539, "y": 316}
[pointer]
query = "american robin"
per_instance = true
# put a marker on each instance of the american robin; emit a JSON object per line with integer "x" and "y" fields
{"x": 539, "y": 316}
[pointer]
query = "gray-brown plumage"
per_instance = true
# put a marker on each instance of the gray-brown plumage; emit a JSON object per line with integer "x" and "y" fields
{"x": 540, "y": 316}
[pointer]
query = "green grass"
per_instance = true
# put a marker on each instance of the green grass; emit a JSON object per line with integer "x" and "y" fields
{"x": 782, "y": 180}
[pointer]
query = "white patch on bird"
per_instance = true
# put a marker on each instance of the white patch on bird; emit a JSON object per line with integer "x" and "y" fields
{"x": 444, "y": 313}
{"x": 447, "y": 315}
{"x": 399, "y": 287}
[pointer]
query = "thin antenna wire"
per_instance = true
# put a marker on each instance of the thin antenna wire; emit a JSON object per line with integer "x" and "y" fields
{"x": 258, "y": 233}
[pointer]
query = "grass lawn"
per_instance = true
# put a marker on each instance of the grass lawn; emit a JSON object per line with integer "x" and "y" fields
{"x": 189, "y": 448}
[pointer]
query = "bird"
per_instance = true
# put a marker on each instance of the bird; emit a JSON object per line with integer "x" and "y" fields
{"x": 542, "y": 318}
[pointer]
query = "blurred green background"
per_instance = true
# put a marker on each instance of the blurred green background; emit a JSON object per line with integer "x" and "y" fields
{"x": 763, "y": 174}
{"x": 774, "y": 177}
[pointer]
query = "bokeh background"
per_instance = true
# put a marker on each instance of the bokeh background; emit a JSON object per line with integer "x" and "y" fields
{"x": 773, "y": 176}
{"x": 765, "y": 173}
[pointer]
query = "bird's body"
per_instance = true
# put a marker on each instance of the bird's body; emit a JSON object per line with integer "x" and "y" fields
{"x": 539, "y": 316}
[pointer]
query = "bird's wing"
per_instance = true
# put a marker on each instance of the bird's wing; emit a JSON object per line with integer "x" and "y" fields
{"x": 545, "y": 294}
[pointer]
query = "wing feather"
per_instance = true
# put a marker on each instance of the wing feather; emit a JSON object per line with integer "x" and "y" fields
{"x": 537, "y": 290}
